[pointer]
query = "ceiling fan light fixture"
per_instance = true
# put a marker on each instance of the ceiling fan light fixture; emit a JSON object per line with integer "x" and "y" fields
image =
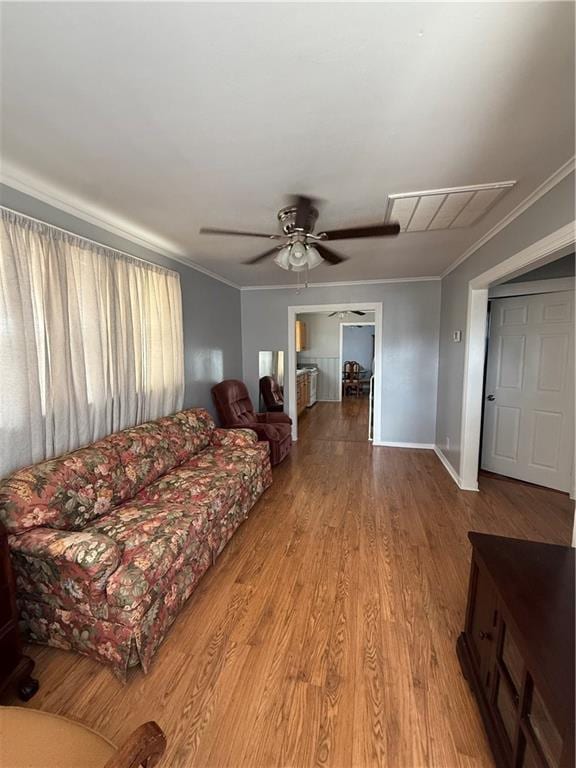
{"x": 298, "y": 256}
{"x": 314, "y": 258}
{"x": 282, "y": 258}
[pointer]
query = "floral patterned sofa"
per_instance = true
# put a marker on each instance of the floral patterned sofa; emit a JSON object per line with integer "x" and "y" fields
{"x": 109, "y": 541}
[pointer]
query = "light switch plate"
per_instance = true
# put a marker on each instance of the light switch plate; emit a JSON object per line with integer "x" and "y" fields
{"x": 457, "y": 336}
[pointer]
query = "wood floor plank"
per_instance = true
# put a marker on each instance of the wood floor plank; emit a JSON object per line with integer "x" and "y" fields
{"x": 325, "y": 633}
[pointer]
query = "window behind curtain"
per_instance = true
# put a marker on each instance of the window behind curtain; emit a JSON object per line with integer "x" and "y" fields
{"x": 90, "y": 341}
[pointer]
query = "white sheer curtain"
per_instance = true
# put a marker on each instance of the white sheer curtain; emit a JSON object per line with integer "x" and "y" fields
{"x": 90, "y": 341}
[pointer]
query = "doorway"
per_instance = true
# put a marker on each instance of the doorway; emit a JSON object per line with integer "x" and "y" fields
{"x": 543, "y": 251}
{"x": 357, "y": 344}
{"x": 299, "y": 314}
{"x": 528, "y": 422}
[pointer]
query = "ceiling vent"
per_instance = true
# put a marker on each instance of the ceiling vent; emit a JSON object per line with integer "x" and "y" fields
{"x": 444, "y": 208}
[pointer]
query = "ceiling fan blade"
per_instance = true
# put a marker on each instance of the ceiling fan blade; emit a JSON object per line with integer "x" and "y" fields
{"x": 213, "y": 231}
{"x": 261, "y": 256}
{"x": 332, "y": 314}
{"x": 328, "y": 254}
{"x": 377, "y": 230}
{"x": 303, "y": 206}
{"x": 357, "y": 312}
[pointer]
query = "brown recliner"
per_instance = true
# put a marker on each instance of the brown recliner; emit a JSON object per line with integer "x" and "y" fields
{"x": 235, "y": 409}
{"x": 271, "y": 394}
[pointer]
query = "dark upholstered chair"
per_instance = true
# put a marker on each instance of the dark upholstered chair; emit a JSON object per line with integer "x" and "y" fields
{"x": 236, "y": 410}
{"x": 271, "y": 394}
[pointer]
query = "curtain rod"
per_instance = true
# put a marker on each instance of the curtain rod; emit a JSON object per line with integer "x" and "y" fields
{"x": 88, "y": 239}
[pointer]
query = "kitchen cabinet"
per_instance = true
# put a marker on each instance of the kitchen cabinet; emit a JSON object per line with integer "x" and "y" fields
{"x": 302, "y": 391}
{"x": 301, "y": 340}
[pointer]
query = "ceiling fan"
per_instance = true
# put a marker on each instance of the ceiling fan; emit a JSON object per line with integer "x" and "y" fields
{"x": 347, "y": 312}
{"x": 298, "y": 247}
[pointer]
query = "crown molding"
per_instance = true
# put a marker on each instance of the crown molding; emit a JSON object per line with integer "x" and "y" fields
{"x": 120, "y": 227}
{"x": 81, "y": 210}
{"x": 539, "y": 192}
{"x": 74, "y": 206}
{"x": 344, "y": 284}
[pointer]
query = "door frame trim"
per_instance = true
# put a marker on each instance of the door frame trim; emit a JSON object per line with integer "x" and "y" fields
{"x": 300, "y": 309}
{"x": 474, "y": 355}
{"x": 554, "y": 285}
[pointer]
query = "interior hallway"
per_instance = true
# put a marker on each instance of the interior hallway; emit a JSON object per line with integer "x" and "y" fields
{"x": 343, "y": 421}
{"x": 325, "y": 633}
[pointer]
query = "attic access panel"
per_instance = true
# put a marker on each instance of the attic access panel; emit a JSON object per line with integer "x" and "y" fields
{"x": 452, "y": 208}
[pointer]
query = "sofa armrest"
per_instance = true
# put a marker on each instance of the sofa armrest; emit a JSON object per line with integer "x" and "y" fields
{"x": 234, "y": 438}
{"x": 273, "y": 418}
{"x": 263, "y": 431}
{"x": 80, "y": 556}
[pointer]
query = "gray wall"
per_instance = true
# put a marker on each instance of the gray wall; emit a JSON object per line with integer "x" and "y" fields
{"x": 411, "y": 312}
{"x": 563, "y": 267}
{"x": 323, "y": 333}
{"x": 211, "y": 309}
{"x": 357, "y": 344}
{"x": 550, "y": 212}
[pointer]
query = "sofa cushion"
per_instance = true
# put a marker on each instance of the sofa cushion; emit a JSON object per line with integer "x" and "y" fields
{"x": 193, "y": 487}
{"x": 151, "y": 536}
{"x": 145, "y": 452}
{"x": 191, "y": 431}
{"x": 70, "y": 491}
{"x": 231, "y": 460}
{"x": 66, "y": 492}
{"x": 152, "y": 449}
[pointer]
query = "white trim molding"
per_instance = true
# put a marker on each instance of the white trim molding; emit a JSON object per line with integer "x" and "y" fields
{"x": 539, "y": 192}
{"x": 302, "y": 309}
{"x": 392, "y": 444}
{"x": 91, "y": 214}
{"x": 451, "y": 471}
{"x": 476, "y": 339}
{"x": 532, "y": 287}
{"x": 82, "y": 209}
{"x": 447, "y": 466}
{"x": 294, "y": 286}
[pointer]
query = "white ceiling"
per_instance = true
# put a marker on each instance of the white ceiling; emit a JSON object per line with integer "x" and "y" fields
{"x": 167, "y": 117}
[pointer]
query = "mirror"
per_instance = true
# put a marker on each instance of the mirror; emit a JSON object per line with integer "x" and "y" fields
{"x": 271, "y": 363}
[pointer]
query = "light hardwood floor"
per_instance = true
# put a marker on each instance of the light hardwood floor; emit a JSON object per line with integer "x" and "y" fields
{"x": 325, "y": 633}
{"x": 346, "y": 421}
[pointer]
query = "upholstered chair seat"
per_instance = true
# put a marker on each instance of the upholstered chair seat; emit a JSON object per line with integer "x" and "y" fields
{"x": 235, "y": 409}
{"x": 272, "y": 395}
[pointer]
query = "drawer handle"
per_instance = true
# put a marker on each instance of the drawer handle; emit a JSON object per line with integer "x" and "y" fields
{"x": 485, "y": 636}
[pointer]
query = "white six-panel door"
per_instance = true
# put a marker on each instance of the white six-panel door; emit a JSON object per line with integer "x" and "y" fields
{"x": 529, "y": 409}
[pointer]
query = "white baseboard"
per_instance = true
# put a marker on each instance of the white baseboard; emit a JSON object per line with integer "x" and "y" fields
{"x": 451, "y": 471}
{"x": 387, "y": 444}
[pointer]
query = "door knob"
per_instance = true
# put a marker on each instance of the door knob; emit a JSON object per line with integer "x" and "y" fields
{"x": 491, "y": 397}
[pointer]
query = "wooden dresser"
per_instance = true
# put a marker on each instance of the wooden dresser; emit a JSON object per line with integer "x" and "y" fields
{"x": 15, "y": 668}
{"x": 517, "y": 649}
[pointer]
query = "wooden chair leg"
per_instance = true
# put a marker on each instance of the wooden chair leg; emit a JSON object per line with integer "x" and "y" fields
{"x": 144, "y": 747}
